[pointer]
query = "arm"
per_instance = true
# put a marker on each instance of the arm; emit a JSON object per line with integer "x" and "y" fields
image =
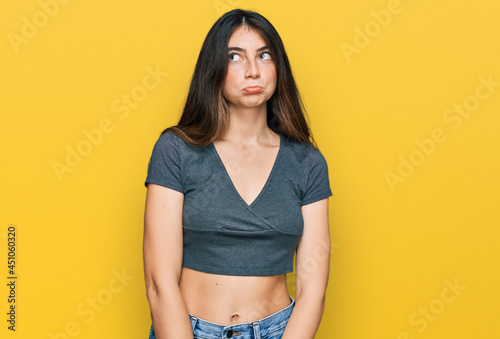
{"x": 162, "y": 250}
{"x": 313, "y": 267}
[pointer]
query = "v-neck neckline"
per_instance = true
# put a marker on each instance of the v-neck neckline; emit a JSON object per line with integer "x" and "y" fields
{"x": 262, "y": 191}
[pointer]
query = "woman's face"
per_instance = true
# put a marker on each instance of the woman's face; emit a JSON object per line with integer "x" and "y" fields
{"x": 251, "y": 72}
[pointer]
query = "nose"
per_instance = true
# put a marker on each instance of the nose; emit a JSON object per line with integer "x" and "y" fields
{"x": 252, "y": 70}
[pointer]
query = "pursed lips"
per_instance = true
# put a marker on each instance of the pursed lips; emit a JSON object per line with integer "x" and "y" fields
{"x": 253, "y": 89}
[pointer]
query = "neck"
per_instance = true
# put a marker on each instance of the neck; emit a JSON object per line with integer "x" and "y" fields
{"x": 248, "y": 125}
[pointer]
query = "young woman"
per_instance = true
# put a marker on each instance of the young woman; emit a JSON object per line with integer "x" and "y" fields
{"x": 233, "y": 191}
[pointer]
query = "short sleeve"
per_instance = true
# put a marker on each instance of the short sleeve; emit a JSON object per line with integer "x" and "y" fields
{"x": 164, "y": 166}
{"x": 317, "y": 184}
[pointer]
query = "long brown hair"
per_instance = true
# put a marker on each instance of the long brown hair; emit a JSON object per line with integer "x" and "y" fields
{"x": 205, "y": 115}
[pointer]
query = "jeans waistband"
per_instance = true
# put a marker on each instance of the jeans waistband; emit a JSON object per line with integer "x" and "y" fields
{"x": 262, "y": 326}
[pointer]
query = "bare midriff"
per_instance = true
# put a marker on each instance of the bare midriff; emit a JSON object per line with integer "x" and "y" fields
{"x": 229, "y": 300}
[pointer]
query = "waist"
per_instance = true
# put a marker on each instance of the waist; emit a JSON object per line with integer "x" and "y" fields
{"x": 230, "y": 300}
{"x": 270, "y": 326}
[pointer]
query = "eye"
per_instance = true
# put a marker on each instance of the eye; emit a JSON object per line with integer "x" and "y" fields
{"x": 232, "y": 57}
{"x": 266, "y": 54}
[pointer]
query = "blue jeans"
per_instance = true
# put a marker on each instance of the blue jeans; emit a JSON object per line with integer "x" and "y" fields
{"x": 270, "y": 327}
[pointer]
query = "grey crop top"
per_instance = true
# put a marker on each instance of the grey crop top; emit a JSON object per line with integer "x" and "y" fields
{"x": 222, "y": 234}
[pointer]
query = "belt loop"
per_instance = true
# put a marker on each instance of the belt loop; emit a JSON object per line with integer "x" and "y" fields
{"x": 193, "y": 321}
{"x": 256, "y": 330}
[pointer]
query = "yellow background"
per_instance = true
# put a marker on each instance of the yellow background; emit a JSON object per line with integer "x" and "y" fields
{"x": 396, "y": 247}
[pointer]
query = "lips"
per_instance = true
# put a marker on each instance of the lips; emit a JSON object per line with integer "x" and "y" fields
{"x": 253, "y": 89}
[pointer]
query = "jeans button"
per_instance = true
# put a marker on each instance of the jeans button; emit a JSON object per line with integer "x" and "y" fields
{"x": 229, "y": 334}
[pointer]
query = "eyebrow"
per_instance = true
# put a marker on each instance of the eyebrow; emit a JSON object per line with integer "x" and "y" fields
{"x": 239, "y": 49}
